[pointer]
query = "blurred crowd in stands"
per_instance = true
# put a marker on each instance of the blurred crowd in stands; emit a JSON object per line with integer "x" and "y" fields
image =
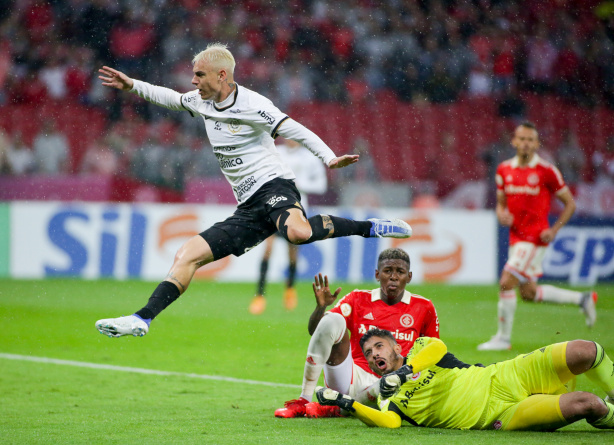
{"x": 294, "y": 51}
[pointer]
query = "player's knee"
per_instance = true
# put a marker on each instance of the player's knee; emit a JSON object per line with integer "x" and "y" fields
{"x": 331, "y": 326}
{"x": 193, "y": 252}
{"x": 586, "y": 404}
{"x": 580, "y": 355}
{"x": 298, "y": 235}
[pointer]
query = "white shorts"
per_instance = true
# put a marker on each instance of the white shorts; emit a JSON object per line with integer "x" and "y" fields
{"x": 349, "y": 378}
{"x": 525, "y": 261}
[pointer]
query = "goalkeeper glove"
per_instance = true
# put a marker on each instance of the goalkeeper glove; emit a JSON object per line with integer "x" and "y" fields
{"x": 390, "y": 383}
{"x": 330, "y": 397}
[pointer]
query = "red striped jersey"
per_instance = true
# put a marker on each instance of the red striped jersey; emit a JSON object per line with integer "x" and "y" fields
{"x": 529, "y": 190}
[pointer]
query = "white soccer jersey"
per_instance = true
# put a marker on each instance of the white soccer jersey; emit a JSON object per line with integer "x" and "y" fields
{"x": 241, "y": 130}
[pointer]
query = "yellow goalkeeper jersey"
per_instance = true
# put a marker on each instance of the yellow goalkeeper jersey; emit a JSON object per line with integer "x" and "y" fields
{"x": 451, "y": 394}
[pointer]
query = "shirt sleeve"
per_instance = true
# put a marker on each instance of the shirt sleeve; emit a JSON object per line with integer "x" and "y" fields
{"x": 431, "y": 323}
{"x": 290, "y": 129}
{"x": 554, "y": 180}
{"x": 164, "y": 97}
{"x": 345, "y": 307}
{"x": 499, "y": 178}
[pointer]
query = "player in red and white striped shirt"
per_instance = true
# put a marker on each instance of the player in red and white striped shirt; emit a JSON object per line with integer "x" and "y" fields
{"x": 391, "y": 307}
{"x": 525, "y": 186}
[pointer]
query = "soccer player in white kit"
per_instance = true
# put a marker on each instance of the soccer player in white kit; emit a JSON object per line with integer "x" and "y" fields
{"x": 241, "y": 126}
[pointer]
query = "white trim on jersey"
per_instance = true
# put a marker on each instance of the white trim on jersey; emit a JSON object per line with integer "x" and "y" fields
{"x": 376, "y": 294}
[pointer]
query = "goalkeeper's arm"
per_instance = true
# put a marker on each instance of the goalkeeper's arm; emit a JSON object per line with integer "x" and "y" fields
{"x": 430, "y": 354}
{"x": 369, "y": 416}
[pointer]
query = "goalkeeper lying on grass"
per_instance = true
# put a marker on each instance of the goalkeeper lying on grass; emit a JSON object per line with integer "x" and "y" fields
{"x": 433, "y": 388}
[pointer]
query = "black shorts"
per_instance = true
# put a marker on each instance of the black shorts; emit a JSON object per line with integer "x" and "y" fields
{"x": 254, "y": 220}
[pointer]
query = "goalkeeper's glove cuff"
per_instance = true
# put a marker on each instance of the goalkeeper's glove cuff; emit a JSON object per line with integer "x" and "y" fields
{"x": 330, "y": 397}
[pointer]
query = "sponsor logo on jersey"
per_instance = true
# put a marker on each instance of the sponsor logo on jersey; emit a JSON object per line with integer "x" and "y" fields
{"x": 497, "y": 425}
{"x": 512, "y": 189}
{"x": 224, "y": 148}
{"x": 416, "y": 376}
{"x": 407, "y": 320}
{"x": 362, "y": 329}
{"x": 228, "y": 162}
{"x": 234, "y": 126}
{"x": 533, "y": 179}
{"x": 267, "y": 117}
{"x": 369, "y": 316}
{"x": 275, "y": 200}
{"x": 218, "y": 126}
{"x": 245, "y": 186}
{"x": 235, "y": 111}
{"x": 420, "y": 384}
{"x": 346, "y": 310}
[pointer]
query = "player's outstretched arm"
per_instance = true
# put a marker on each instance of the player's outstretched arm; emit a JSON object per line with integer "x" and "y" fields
{"x": 115, "y": 79}
{"x": 368, "y": 416}
{"x": 324, "y": 298}
{"x": 343, "y": 161}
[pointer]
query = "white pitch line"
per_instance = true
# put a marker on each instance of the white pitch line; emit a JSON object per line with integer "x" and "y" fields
{"x": 55, "y": 361}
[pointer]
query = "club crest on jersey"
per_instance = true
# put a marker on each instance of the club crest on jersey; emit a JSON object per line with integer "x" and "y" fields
{"x": 346, "y": 309}
{"x": 533, "y": 179}
{"x": 234, "y": 126}
{"x": 407, "y": 320}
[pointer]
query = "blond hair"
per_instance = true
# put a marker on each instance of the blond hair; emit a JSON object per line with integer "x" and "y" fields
{"x": 218, "y": 55}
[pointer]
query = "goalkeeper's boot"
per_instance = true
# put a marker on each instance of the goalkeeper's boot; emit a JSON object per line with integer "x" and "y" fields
{"x": 497, "y": 343}
{"x": 118, "y": 327}
{"x": 587, "y": 306}
{"x": 389, "y": 228}
{"x": 258, "y": 305}
{"x": 314, "y": 410}
{"x": 292, "y": 408}
{"x": 290, "y": 299}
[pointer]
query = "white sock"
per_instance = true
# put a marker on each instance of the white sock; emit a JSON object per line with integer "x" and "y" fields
{"x": 506, "y": 308}
{"x": 551, "y": 294}
{"x": 329, "y": 332}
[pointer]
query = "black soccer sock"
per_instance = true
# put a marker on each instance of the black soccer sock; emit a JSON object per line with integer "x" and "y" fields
{"x": 328, "y": 226}
{"x": 264, "y": 267}
{"x": 165, "y": 294}
{"x": 291, "y": 274}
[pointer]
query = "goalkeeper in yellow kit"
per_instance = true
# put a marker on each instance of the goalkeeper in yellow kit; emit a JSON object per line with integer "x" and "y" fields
{"x": 431, "y": 387}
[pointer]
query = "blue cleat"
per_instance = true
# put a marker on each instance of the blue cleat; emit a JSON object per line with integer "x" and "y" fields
{"x": 389, "y": 228}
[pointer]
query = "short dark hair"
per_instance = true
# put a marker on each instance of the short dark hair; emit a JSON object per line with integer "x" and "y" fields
{"x": 393, "y": 254}
{"x": 377, "y": 332}
{"x": 530, "y": 125}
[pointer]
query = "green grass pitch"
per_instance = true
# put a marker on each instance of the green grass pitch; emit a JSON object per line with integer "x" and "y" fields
{"x": 209, "y": 331}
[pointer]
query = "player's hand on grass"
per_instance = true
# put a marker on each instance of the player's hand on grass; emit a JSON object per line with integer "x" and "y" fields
{"x": 115, "y": 79}
{"x": 390, "y": 383}
{"x": 343, "y": 161}
{"x": 330, "y": 397}
{"x": 322, "y": 292}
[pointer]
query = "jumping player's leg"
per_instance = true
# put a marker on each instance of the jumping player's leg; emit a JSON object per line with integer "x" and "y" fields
{"x": 329, "y": 344}
{"x": 297, "y": 229}
{"x": 195, "y": 253}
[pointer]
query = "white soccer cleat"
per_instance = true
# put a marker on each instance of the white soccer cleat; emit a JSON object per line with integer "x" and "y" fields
{"x": 118, "y": 327}
{"x": 587, "y": 306}
{"x": 390, "y": 228}
{"x": 495, "y": 344}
